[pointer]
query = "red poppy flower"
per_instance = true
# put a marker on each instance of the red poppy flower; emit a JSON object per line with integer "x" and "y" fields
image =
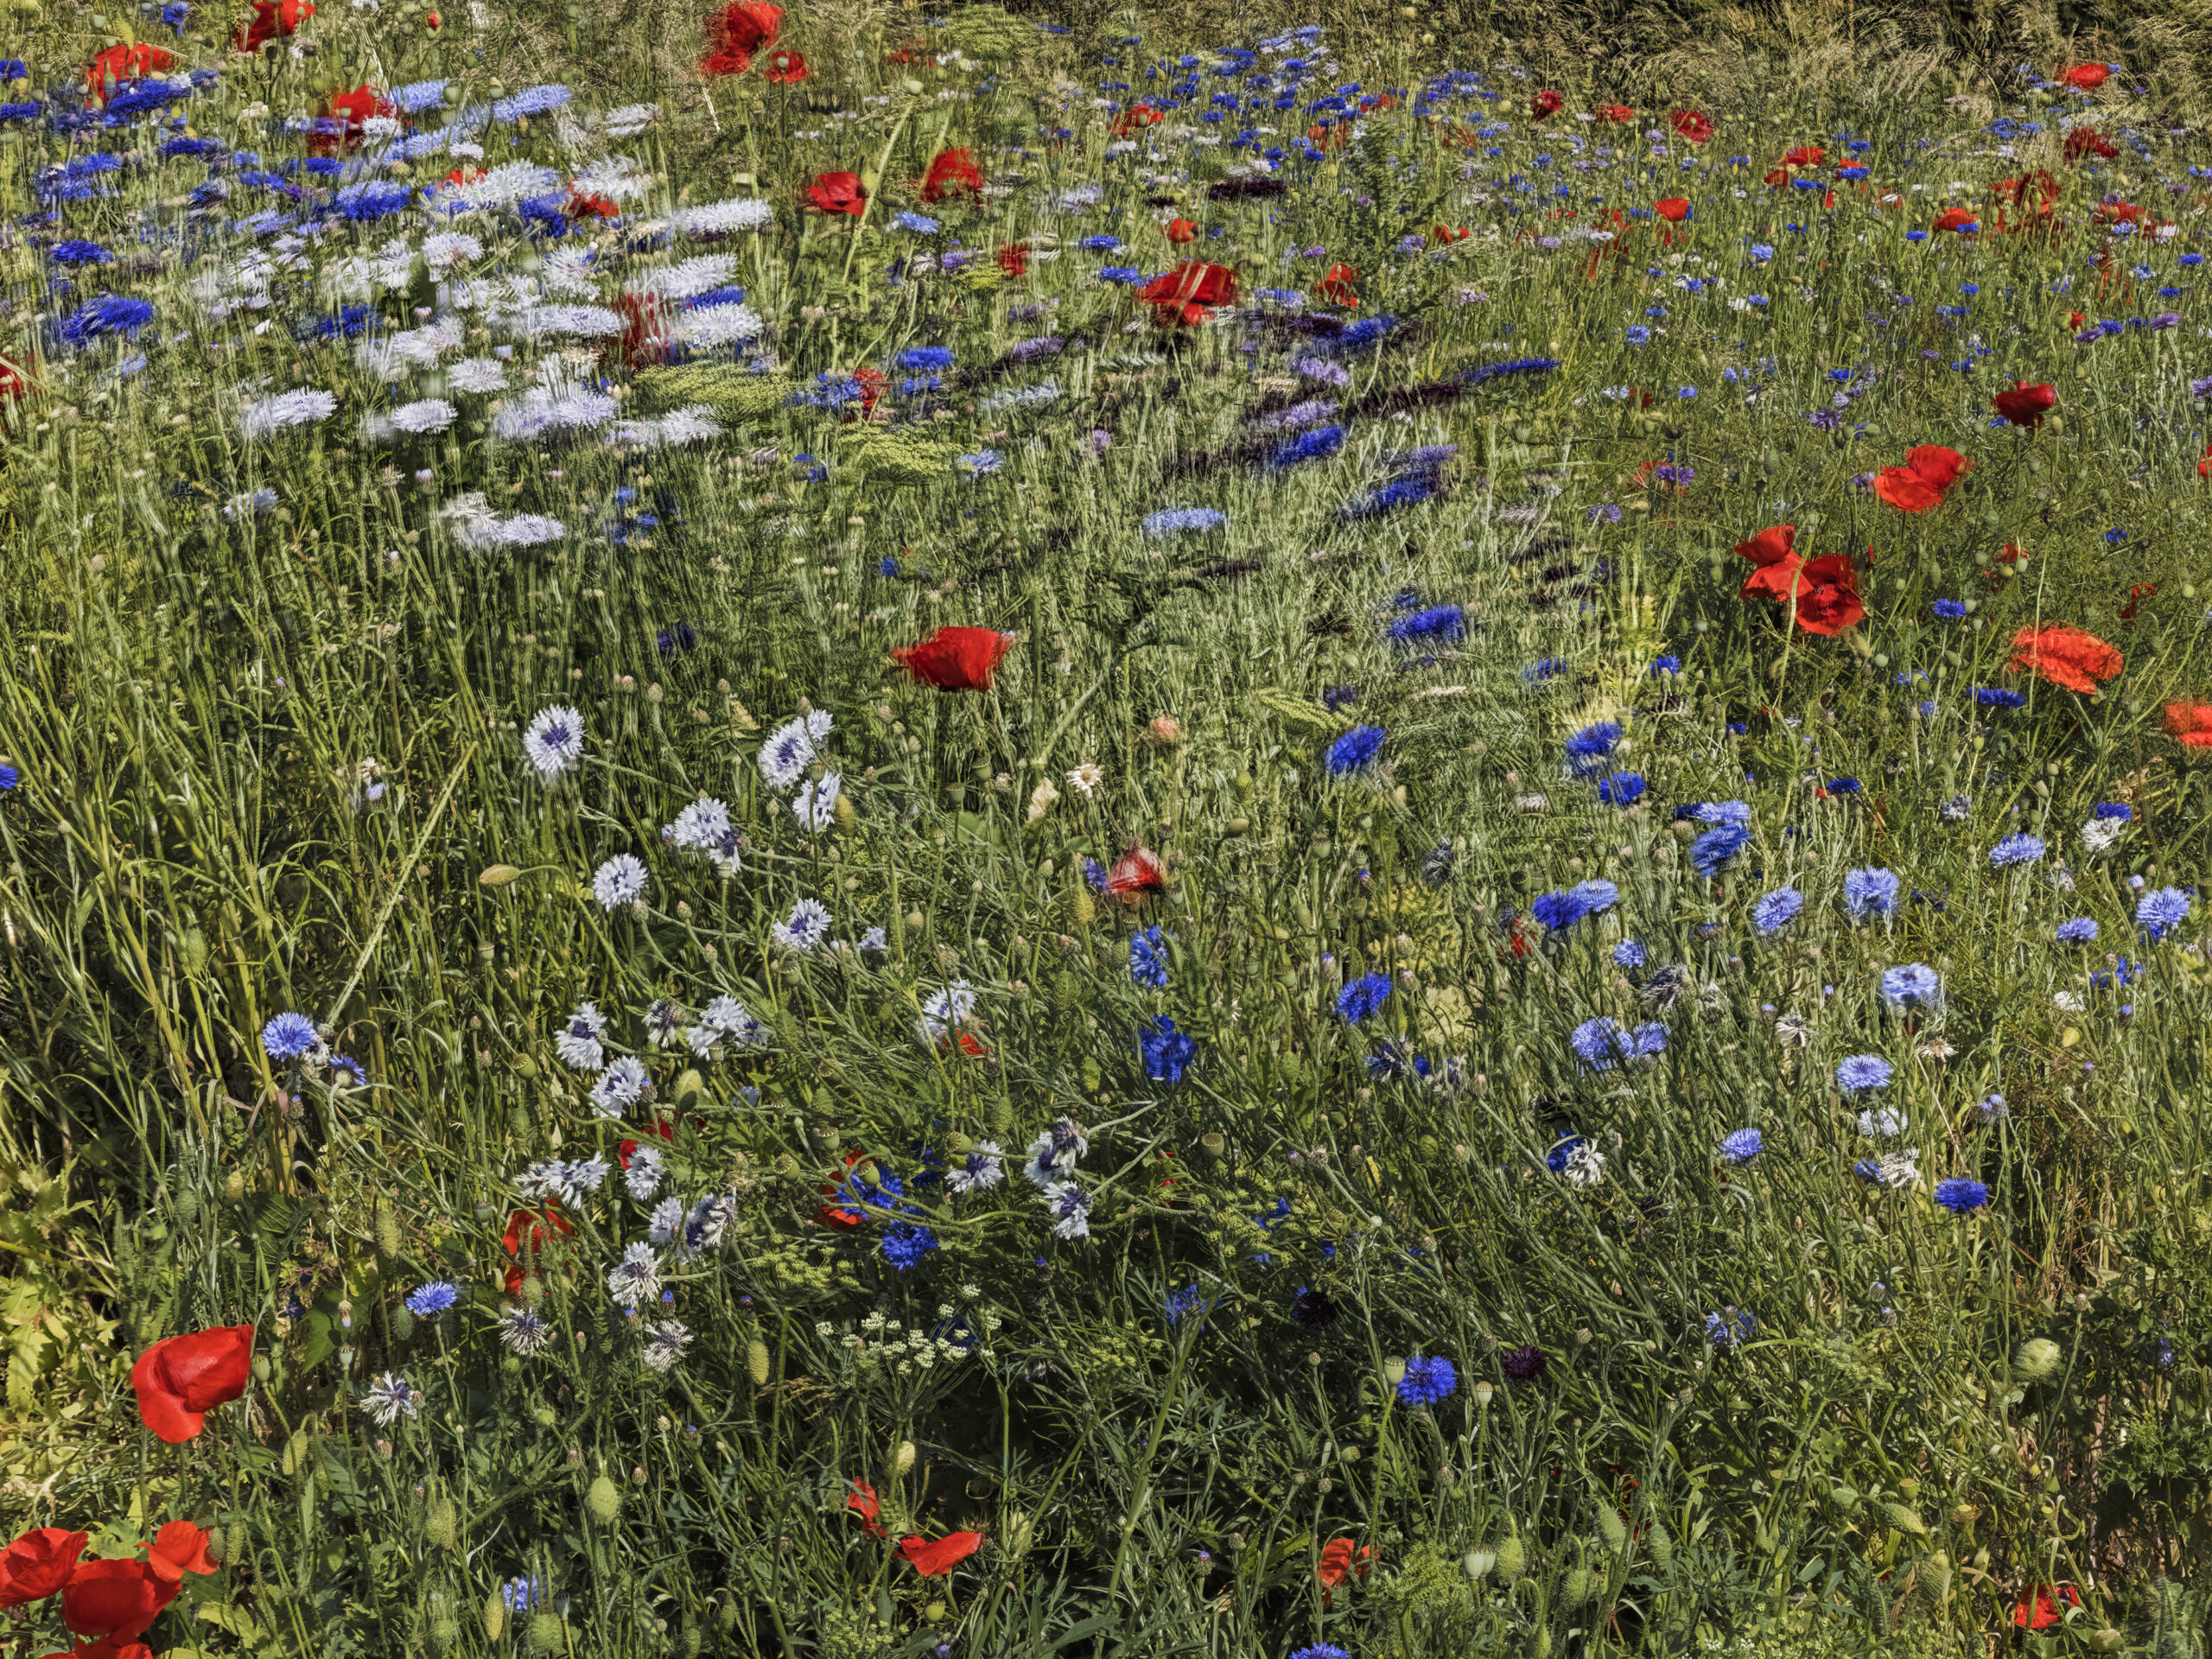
{"x": 2137, "y": 593}
{"x": 529, "y": 1232}
{"x": 2190, "y": 724}
{"x": 1135, "y": 875}
{"x": 645, "y": 334}
{"x": 1135, "y": 117}
{"x": 862, "y": 1501}
{"x": 1957, "y": 219}
{"x": 1829, "y": 602}
{"x": 2026, "y": 405}
{"x": 1805, "y": 156}
{"x": 1013, "y": 258}
{"x": 2039, "y": 1605}
{"x": 1337, "y": 286}
{"x": 1777, "y": 576}
{"x": 785, "y": 68}
{"x": 1919, "y": 485}
{"x": 1184, "y": 294}
{"x": 1338, "y": 1559}
{"x": 1675, "y": 209}
{"x": 1618, "y": 114}
{"x": 1445, "y": 233}
{"x": 837, "y": 193}
{"x": 1776, "y": 178}
{"x": 178, "y": 1548}
{"x": 117, "y": 1600}
{"x": 14, "y": 387}
{"x": 106, "y": 1647}
{"x": 272, "y": 20}
{"x": 38, "y": 1564}
{"x": 952, "y": 173}
{"x": 1545, "y": 105}
{"x": 2087, "y": 141}
{"x": 2066, "y": 657}
{"x": 735, "y": 33}
{"x": 2087, "y": 76}
{"x": 1693, "y": 124}
{"x": 955, "y": 659}
{"x": 1181, "y": 231}
{"x": 181, "y": 1379}
{"x": 121, "y": 63}
{"x": 931, "y": 1557}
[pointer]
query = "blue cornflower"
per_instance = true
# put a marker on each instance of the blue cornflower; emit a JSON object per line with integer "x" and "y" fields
{"x": 1364, "y": 997}
{"x": 2082, "y": 930}
{"x": 1949, "y": 609}
{"x": 1863, "y": 1071}
{"x": 520, "y": 1595}
{"x": 1843, "y": 786}
{"x": 1869, "y": 893}
{"x": 427, "y": 1301}
{"x": 1630, "y": 953}
{"x": 2161, "y": 910}
{"x": 1557, "y": 910}
{"x": 1319, "y": 444}
{"x": 2016, "y": 850}
{"x": 1716, "y": 847}
{"x": 1596, "y": 897}
{"x": 1604, "y": 1042}
{"x": 1437, "y": 622}
{"x": 75, "y": 252}
{"x": 1991, "y": 697}
{"x": 1148, "y": 959}
{"x": 1730, "y": 1327}
{"x": 1960, "y": 1197}
{"x": 1166, "y": 1051}
{"x": 1590, "y": 746}
{"x": 1638, "y": 335}
{"x": 920, "y": 223}
{"x": 370, "y": 200}
{"x": 1321, "y": 1650}
{"x": 1188, "y": 1302}
{"x": 1669, "y": 664}
{"x": 1355, "y": 750}
{"x": 1773, "y": 912}
{"x": 1743, "y": 1146}
{"x": 1428, "y": 1379}
{"x": 1622, "y": 789}
{"x": 981, "y": 464}
{"x": 1915, "y": 985}
{"x": 288, "y": 1036}
{"x": 9, "y": 779}
{"x": 1100, "y": 243}
{"x": 2118, "y": 810}
{"x": 925, "y": 357}
{"x": 1739, "y": 812}
{"x": 111, "y": 314}
{"x": 904, "y": 1244}
{"x": 1094, "y": 874}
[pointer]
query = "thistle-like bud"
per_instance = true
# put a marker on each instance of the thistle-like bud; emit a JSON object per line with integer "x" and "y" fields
{"x": 903, "y": 1459}
{"x": 442, "y": 1526}
{"x": 1512, "y": 1557}
{"x": 604, "y": 1501}
{"x": 756, "y": 1361}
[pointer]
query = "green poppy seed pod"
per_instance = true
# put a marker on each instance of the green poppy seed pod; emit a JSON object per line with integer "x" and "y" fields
{"x": 495, "y": 1617}
{"x": 544, "y": 1634}
{"x": 2036, "y": 1359}
{"x": 496, "y": 876}
{"x": 604, "y": 1501}
{"x": 756, "y": 1361}
{"x": 1845, "y": 1498}
{"x": 1512, "y": 1557}
{"x": 547, "y": 1417}
{"x": 903, "y": 1459}
{"x": 262, "y": 1367}
{"x": 1661, "y": 1545}
{"x": 1576, "y": 1590}
{"x": 785, "y": 1164}
{"x": 442, "y": 1526}
{"x": 1477, "y": 1562}
{"x": 388, "y": 1239}
{"x": 1614, "y": 1529}
{"x": 1394, "y": 1370}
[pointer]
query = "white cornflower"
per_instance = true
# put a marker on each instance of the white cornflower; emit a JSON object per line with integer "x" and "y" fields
{"x": 553, "y": 741}
{"x": 979, "y": 1169}
{"x": 667, "y": 1221}
{"x": 568, "y": 272}
{"x": 644, "y": 1175}
{"x": 1055, "y": 1152}
{"x": 1585, "y": 1166}
{"x": 1884, "y": 1124}
{"x": 426, "y": 414}
{"x": 787, "y": 753}
{"x": 685, "y": 278}
{"x": 666, "y": 1342}
{"x": 620, "y": 1086}
{"x": 720, "y": 218}
{"x": 807, "y": 926}
{"x": 628, "y": 120}
{"x": 732, "y": 1018}
{"x": 815, "y": 806}
{"x": 499, "y": 186}
{"x": 586, "y": 321}
{"x": 620, "y": 882}
{"x": 1895, "y": 1169}
{"x": 943, "y": 1009}
{"x": 2100, "y": 835}
{"x": 444, "y": 249}
{"x": 390, "y": 1398}
{"x": 523, "y": 1330}
{"x": 707, "y": 326}
{"x": 1070, "y": 1207}
{"x": 295, "y": 408}
{"x": 480, "y": 375}
{"x": 635, "y": 1279}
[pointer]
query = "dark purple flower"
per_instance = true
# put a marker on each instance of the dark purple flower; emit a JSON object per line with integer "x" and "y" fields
{"x": 1525, "y": 1364}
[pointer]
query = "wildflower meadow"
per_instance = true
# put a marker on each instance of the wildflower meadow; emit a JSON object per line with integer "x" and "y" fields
{"x": 833, "y": 832}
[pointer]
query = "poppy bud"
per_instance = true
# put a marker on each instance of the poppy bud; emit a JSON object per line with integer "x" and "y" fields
{"x": 604, "y": 1502}
{"x": 2036, "y": 1359}
{"x": 388, "y": 1239}
{"x": 1576, "y": 1590}
{"x": 1661, "y": 1545}
{"x": 756, "y": 1361}
{"x": 1614, "y": 1529}
{"x": 1512, "y": 1557}
{"x": 442, "y": 1527}
{"x": 403, "y": 1324}
{"x": 903, "y": 1459}
{"x": 496, "y": 876}
{"x": 495, "y": 1617}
